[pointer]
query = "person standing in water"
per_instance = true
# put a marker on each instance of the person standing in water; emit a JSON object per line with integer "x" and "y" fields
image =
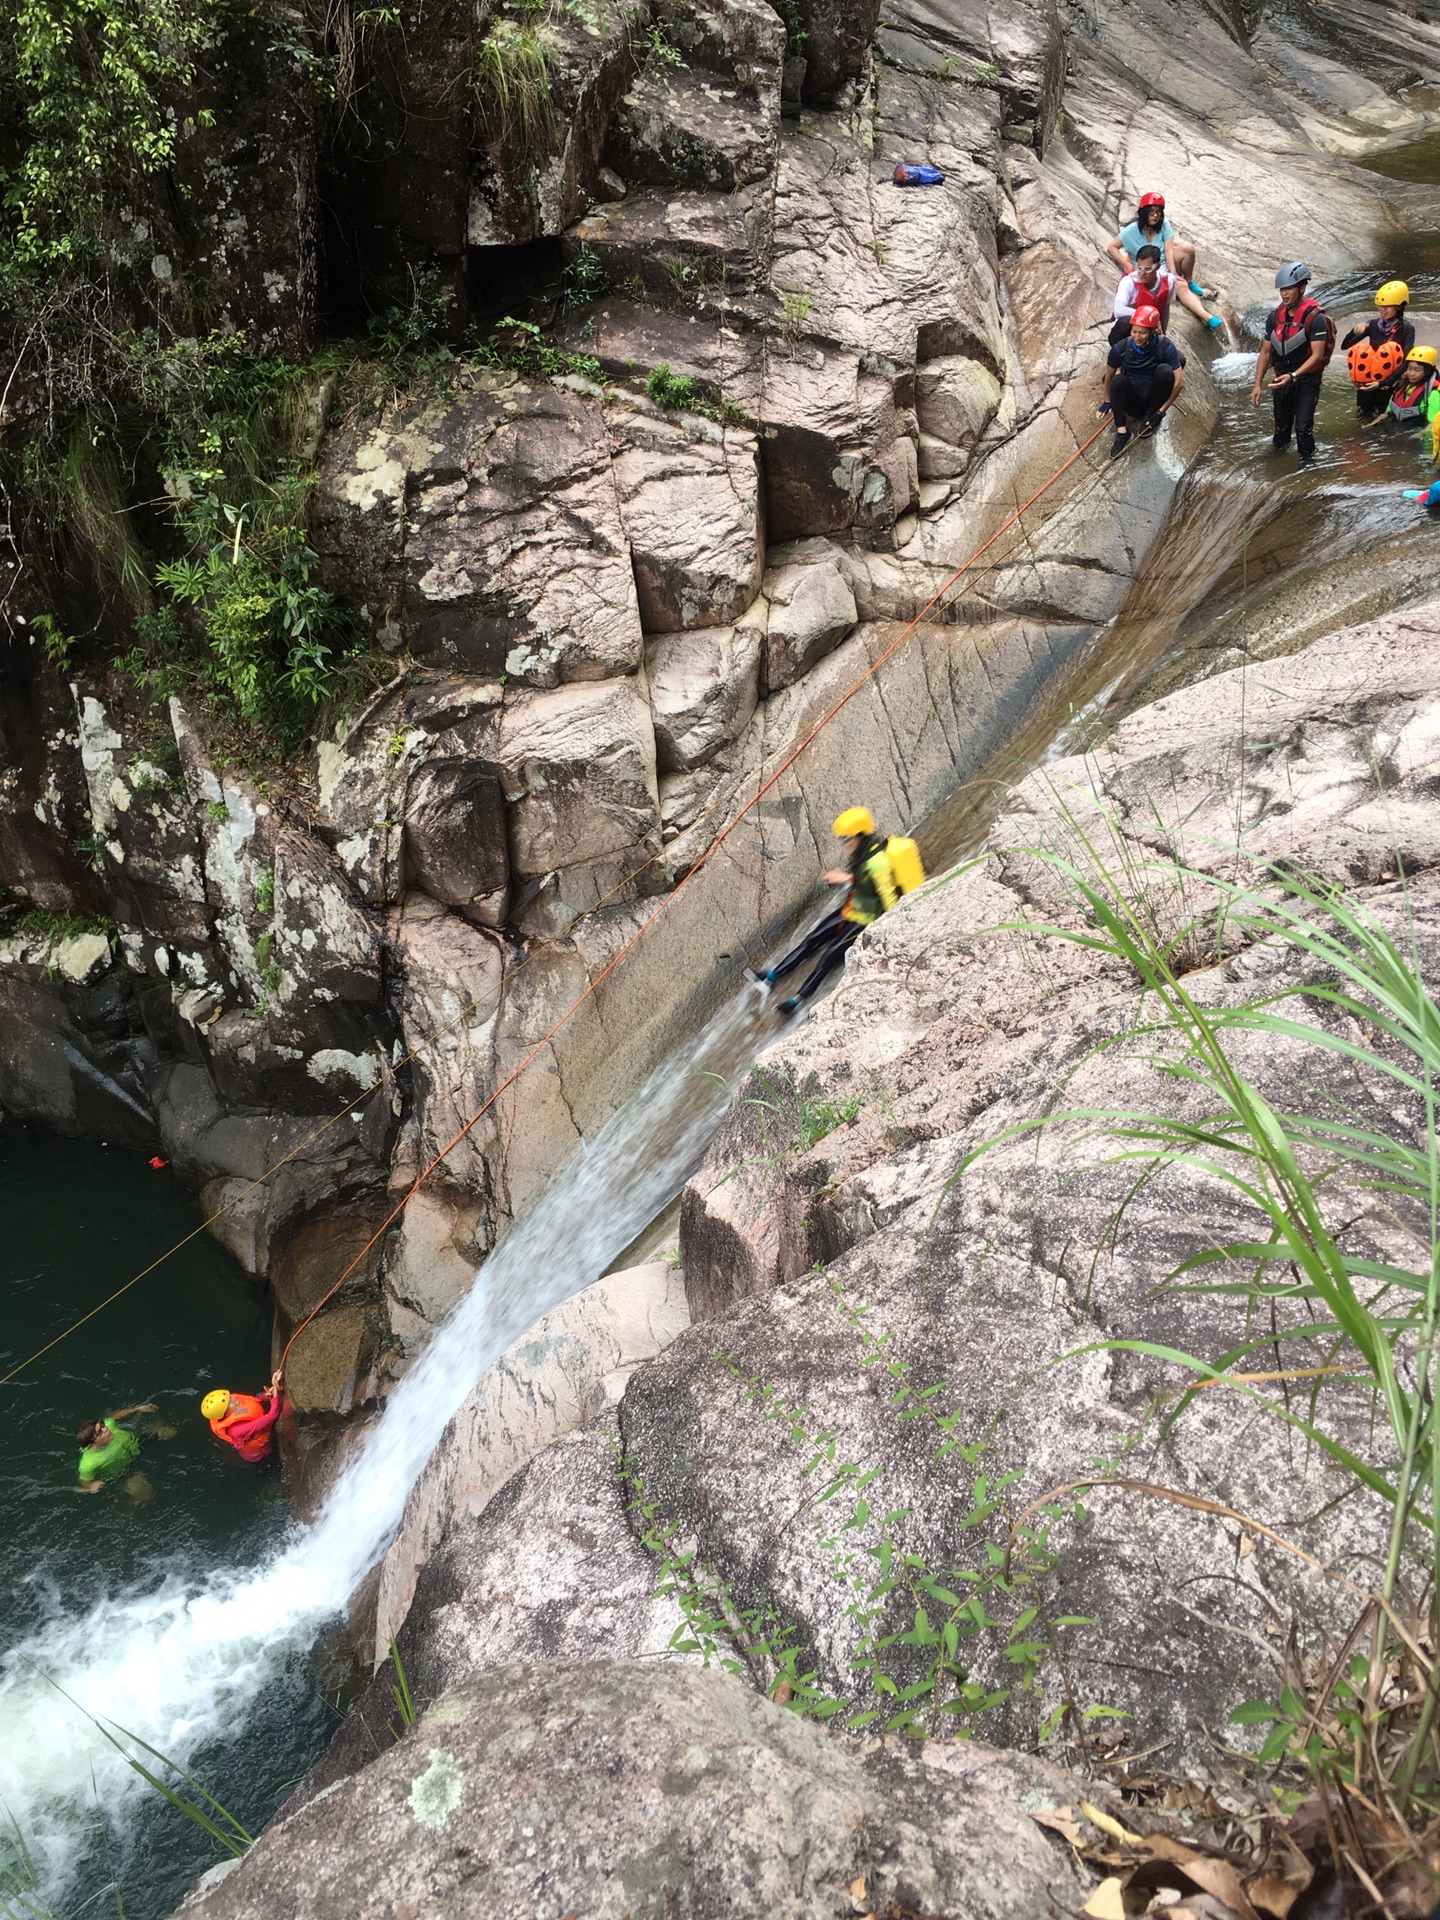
{"x": 107, "y": 1448}
{"x": 1299, "y": 339}
{"x": 1389, "y": 335}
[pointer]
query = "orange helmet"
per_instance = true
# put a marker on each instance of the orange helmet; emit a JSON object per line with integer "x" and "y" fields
{"x": 1370, "y": 365}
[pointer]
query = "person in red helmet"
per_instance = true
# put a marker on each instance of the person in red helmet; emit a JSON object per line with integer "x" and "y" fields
{"x": 1144, "y": 375}
{"x": 1151, "y": 226}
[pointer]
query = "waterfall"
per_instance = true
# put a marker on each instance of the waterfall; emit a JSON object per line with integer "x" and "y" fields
{"x": 182, "y": 1663}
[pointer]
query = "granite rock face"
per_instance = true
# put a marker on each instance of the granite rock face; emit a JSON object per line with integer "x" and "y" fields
{"x": 1013, "y": 1281}
{"x": 613, "y": 1788}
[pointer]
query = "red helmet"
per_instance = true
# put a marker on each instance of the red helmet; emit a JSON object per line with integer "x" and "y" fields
{"x": 1152, "y": 200}
{"x": 1146, "y": 317}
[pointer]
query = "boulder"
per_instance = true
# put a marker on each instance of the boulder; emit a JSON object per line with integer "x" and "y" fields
{"x": 955, "y": 400}
{"x": 560, "y": 1374}
{"x": 455, "y": 838}
{"x": 619, "y": 1787}
{"x": 689, "y": 128}
{"x": 835, "y": 37}
{"x": 577, "y": 770}
{"x": 805, "y": 611}
{"x": 494, "y": 520}
{"x": 703, "y": 689}
{"x": 690, "y": 503}
{"x": 674, "y": 247}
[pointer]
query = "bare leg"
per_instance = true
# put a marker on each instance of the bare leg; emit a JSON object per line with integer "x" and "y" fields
{"x": 1182, "y": 252}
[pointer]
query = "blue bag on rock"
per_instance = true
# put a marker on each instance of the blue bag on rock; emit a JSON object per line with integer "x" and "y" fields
{"x": 907, "y": 175}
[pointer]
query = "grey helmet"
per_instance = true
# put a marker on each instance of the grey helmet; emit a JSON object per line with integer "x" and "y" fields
{"x": 1294, "y": 273}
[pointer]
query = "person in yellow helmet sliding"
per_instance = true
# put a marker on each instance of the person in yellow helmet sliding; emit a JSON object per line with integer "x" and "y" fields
{"x": 1390, "y": 334}
{"x": 871, "y": 889}
{"x": 245, "y": 1421}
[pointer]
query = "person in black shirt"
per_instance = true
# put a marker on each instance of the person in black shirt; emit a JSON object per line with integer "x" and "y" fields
{"x": 1143, "y": 376}
{"x": 1389, "y": 324}
{"x": 1296, "y": 344}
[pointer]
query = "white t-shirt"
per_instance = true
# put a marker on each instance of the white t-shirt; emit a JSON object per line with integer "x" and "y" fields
{"x": 1132, "y": 293}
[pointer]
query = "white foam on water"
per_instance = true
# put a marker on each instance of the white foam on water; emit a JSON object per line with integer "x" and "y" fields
{"x": 1230, "y": 369}
{"x": 178, "y": 1665}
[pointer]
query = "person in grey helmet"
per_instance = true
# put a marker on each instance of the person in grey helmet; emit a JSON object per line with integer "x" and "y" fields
{"x": 1299, "y": 340}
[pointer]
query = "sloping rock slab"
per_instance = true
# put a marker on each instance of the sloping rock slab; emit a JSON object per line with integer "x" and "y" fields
{"x": 623, "y": 1789}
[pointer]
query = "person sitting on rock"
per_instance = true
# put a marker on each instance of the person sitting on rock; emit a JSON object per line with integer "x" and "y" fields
{"x": 1150, "y": 226}
{"x": 1389, "y": 331}
{"x": 1144, "y": 376}
{"x": 872, "y": 890}
{"x": 1153, "y": 285}
{"x": 245, "y": 1421}
{"x": 1297, "y": 344}
{"x": 106, "y": 1448}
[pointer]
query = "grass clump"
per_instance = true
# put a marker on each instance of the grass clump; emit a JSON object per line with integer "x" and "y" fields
{"x": 1357, "y": 1721}
{"x": 511, "y": 83}
{"x": 686, "y": 394}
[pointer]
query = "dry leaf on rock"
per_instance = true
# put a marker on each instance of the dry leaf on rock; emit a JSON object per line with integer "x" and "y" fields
{"x": 1107, "y": 1902}
{"x": 1059, "y": 1820}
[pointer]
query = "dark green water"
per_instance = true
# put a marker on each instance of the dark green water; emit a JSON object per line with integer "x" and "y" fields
{"x": 80, "y": 1219}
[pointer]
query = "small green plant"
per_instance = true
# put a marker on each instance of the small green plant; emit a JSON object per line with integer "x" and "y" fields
{"x": 217, "y": 810}
{"x": 689, "y": 395}
{"x": 267, "y": 968}
{"x": 792, "y": 12}
{"x": 265, "y": 892}
{"x": 53, "y": 928}
{"x": 585, "y": 277}
{"x": 794, "y": 312}
{"x": 661, "y": 55}
{"x": 400, "y": 1693}
{"x": 917, "y": 1626}
{"x": 521, "y": 346}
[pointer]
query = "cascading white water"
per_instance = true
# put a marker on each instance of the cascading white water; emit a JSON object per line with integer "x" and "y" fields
{"x": 180, "y": 1664}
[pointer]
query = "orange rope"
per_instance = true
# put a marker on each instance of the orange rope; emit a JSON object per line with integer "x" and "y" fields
{"x": 679, "y": 888}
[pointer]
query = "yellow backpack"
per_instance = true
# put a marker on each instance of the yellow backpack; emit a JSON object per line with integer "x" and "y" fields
{"x": 905, "y": 862}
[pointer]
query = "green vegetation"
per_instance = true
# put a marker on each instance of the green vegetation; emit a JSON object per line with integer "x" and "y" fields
{"x": 400, "y": 1693}
{"x": 689, "y": 395}
{"x": 1362, "y": 1722}
{"x": 512, "y": 90}
{"x": 792, "y": 12}
{"x": 794, "y": 312}
{"x": 917, "y": 1627}
{"x": 585, "y": 277}
{"x": 53, "y": 928}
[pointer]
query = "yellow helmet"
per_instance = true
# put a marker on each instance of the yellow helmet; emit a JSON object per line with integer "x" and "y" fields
{"x": 853, "y": 820}
{"x": 1427, "y": 354}
{"x": 1394, "y": 293}
{"x": 214, "y": 1404}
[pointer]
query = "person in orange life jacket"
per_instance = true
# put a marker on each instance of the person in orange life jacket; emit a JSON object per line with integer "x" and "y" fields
{"x": 1144, "y": 375}
{"x": 1152, "y": 285}
{"x": 1389, "y": 327}
{"x": 871, "y": 890}
{"x": 1297, "y": 335}
{"x": 245, "y": 1421}
{"x": 1151, "y": 225}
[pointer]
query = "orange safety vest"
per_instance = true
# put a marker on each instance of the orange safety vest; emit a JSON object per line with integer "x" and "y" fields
{"x": 243, "y": 1408}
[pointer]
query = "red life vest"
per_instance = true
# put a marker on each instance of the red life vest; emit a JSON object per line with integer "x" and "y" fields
{"x": 1408, "y": 402}
{"x": 242, "y": 1413}
{"x": 1288, "y": 336}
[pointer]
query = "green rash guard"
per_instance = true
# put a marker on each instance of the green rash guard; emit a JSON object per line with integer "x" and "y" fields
{"x": 103, "y": 1463}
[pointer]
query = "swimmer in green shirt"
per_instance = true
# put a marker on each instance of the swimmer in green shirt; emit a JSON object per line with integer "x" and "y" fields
{"x": 107, "y": 1449}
